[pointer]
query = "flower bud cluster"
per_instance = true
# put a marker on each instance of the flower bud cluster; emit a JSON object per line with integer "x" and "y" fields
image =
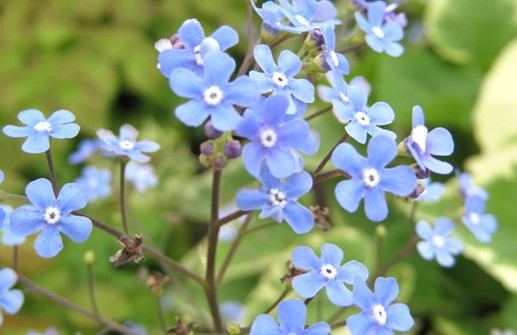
{"x": 221, "y": 147}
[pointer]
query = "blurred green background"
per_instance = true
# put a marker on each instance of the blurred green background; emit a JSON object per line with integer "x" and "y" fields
{"x": 96, "y": 58}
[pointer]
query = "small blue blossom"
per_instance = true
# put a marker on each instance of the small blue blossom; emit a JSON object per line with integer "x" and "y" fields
{"x": 279, "y": 79}
{"x": 369, "y": 177}
{"x": 10, "y": 300}
{"x": 95, "y": 182}
{"x": 334, "y": 61}
{"x": 291, "y": 314}
{"x": 437, "y": 242}
{"x": 327, "y": 273}
{"x": 433, "y": 191}
{"x": 51, "y": 216}
{"x": 279, "y": 200}
{"x": 274, "y": 140}
{"x": 381, "y": 35}
{"x": 126, "y": 145}
{"x": 38, "y": 129}
{"x": 8, "y": 237}
{"x": 142, "y": 176}
{"x": 195, "y": 46}
{"x": 481, "y": 225}
{"x": 378, "y": 316}
{"x": 303, "y": 16}
{"x": 86, "y": 149}
{"x": 422, "y": 144}
{"x": 468, "y": 188}
{"x": 213, "y": 95}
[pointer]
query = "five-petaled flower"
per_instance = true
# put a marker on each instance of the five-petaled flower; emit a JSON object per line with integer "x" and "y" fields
{"x": 326, "y": 272}
{"x": 437, "y": 242}
{"x": 39, "y": 129}
{"x": 369, "y": 177}
{"x": 126, "y": 145}
{"x": 10, "y": 300}
{"x": 95, "y": 182}
{"x": 279, "y": 200}
{"x": 378, "y": 316}
{"x": 291, "y": 314}
{"x": 51, "y": 216}
{"x": 480, "y": 224}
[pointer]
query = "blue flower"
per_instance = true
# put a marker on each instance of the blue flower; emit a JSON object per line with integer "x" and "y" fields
{"x": 51, "y": 216}
{"x": 303, "y": 16}
{"x": 326, "y": 272}
{"x": 10, "y": 300}
{"x": 126, "y": 145}
{"x": 213, "y": 95}
{"x": 279, "y": 79}
{"x": 278, "y": 199}
{"x": 86, "y": 149}
{"x": 1, "y": 176}
{"x": 142, "y": 176}
{"x": 378, "y": 316}
{"x": 38, "y": 129}
{"x": 369, "y": 177}
{"x": 432, "y": 191}
{"x": 481, "y": 225}
{"x": 422, "y": 144}
{"x": 437, "y": 243}
{"x": 362, "y": 120}
{"x": 381, "y": 35}
{"x": 467, "y": 187}
{"x": 8, "y": 237}
{"x": 95, "y": 182}
{"x": 334, "y": 61}
{"x": 195, "y": 47}
{"x": 291, "y": 314}
{"x": 274, "y": 140}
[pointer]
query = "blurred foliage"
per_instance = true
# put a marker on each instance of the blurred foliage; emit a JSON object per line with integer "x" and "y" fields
{"x": 96, "y": 58}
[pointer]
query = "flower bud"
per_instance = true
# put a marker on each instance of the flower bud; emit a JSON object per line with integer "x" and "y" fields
{"x": 232, "y": 149}
{"x": 176, "y": 42}
{"x": 89, "y": 257}
{"x": 421, "y": 173}
{"x": 219, "y": 162}
{"x": 233, "y": 328}
{"x": 211, "y": 132}
{"x": 419, "y": 189}
{"x": 207, "y": 148}
{"x": 380, "y": 231}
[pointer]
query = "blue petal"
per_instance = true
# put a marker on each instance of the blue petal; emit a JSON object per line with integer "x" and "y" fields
{"x": 305, "y": 258}
{"x": 36, "y": 143}
{"x": 263, "y": 81}
{"x": 191, "y": 34}
{"x": 454, "y": 245}
{"x": 274, "y": 109}
{"x": 381, "y": 151}
{"x": 26, "y": 220}
{"x": 320, "y": 328}
{"x": 294, "y": 133}
{"x": 289, "y": 64}
{"x": 61, "y": 131}
{"x": 251, "y": 199}
{"x": 15, "y": 131}
{"x": 242, "y": 92}
{"x": 186, "y": 84}
{"x": 297, "y": 185}
{"x": 291, "y": 315}
{"x": 439, "y": 142}
{"x": 302, "y": 89}
{"x": 61, "y": 116}
{"x": 326, "y": 11}
{"x": 249, "y": 127}
{"x": 352, "y": 271}
{"x": 252, "y": 158}
{"x": 192, "y": 113}
{"x": 444, "y": 258}
{"x": 393, "y": 49}
{"x": 169, "y": 60}
{"x": 426, "y": 250}
{"x": 362, "y": 295}
{"x": 346, "y": 158}
{"x": 299, "y": 218}
{"x": 331, "y": 254}
{"x": 224, "y": 117}
{"x": 381, "y": 113}
{"x": 349, "y": 193}
{"x": 282, "y": 162}
{"x": 375, "y": 205}
{"x": 49, "y": 242}
{"x": 376, "y": 13}
{"x": 77, "y": 228}
{"x": 392, "y": 31}
{"x": 386, "y": 290}
{"x": 418, "y": 116}
{"x": 71, "y": 197}
{"x": 226, "y": 37}
{"x": 12, "y": 301}
{"x": 361, "y": 323}
{"x": 31, "y": 117}
{"x": 362, "y": 22}
{"x": 399, "y": 318}
{"x": 399, "y": 180}
{"x": 146, "y": 146}
{"x": 338, "y": 294}
{"x": 357, "y": 98}
{"x": 424, "y": 230}
{"x": 375, "y": 43}
{"x": 308, "y": 284}
{"x": 218, "y": 67}
{"x": 265, "y": 325}
{"x": 443, "y": 226}
{"x": 264, "y": 58}
{"x": 40, "y": 193}
{"x": 356, "y": 131}
{"x": 7, "y": 279}
{"x": 475, "y": 204}
{"x": 436, "y": 165}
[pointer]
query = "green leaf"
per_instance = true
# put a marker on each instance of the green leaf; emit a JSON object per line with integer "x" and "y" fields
{"x": 471, "y": 31}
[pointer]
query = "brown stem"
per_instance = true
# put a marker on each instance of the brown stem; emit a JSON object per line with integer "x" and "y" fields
{"x": 230, "y": 217}
{"x": 278, "y": 301}
{"x": 53, "y": 181}
{"x": 123, "y": 195}
{"x": 329, "y": 155}
{"x": 318, "y": 113}
{"x": 248, "y": 59}
{"x": 328, "y": 175}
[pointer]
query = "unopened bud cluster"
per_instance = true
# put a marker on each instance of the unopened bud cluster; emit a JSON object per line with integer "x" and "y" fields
{"x": 221, "y": 147}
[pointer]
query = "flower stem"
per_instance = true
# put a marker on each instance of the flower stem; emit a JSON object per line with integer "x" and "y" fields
{"x": 318, "y": 113}
{"x": 91, "y": 288}
{"x": 230, "y": 217}
{"x": 277, "y": 301}
{"x": 328, "y": 175}
{"x": 213, "y": 233}
{"x": 329, "y": 155}
{"x": 123, "y": 195}
{"x": 53, "y": 181}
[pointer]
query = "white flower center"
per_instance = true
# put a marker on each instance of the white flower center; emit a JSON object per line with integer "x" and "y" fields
{"x": 378, "y": 32}
{"x": 213, "y": 95}
{"x": 362, "y": 119}
{"x": 198, "y": 56}
{"x": 43, "y": 126}
{"x": 438, "y": 241}
{"x": 52, "y": 215}
{"x": 474, "y": 218}
{"x": 303, "y": 21}
{"x": 333, "y": 58}
{"x": 379, "y": 313}
{"x": 328, "y": 271}
{"x": 371, "y": 177}
{"x": 277, "y": 197}
{"x": 126, "y": 145}
{"x": 279, "y": 79}
{"x": 343, "y": 97}
{"x": 419, "y": 136}
{"x": 211, "y": 44}
{"x": 268, "y": 138}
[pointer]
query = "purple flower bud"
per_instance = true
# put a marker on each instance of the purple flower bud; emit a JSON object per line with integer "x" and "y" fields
{"x": 421, "y": 173}
{"x": 211, "y": 132}
{"x": 419, "y": 189}
{"x": 219, "y": 162}
{"x": 232, "y": 149}
{"x": 315, "y": 37}
{"x": 176, "y": 42}
{"x": 207, "y": 148}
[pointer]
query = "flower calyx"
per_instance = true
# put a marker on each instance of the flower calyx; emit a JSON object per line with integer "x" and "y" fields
{"x": 131, "y": 252}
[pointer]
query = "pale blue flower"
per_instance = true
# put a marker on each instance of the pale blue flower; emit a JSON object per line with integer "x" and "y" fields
{"x": 480, "y": 224}
{"x": 433, "y": 191}
{"x": 8, "y": 237}
{"x": 468, "y": 188}
{"x": 335, "y": 61}
{"x": 86, "y": 149}
{"x": 10, "y": 300}
{"x": 126, "y": 145}
{"x": 437, "y": 242}
{"x": 95, "y": 182}
{"x": 141, "y": 176}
